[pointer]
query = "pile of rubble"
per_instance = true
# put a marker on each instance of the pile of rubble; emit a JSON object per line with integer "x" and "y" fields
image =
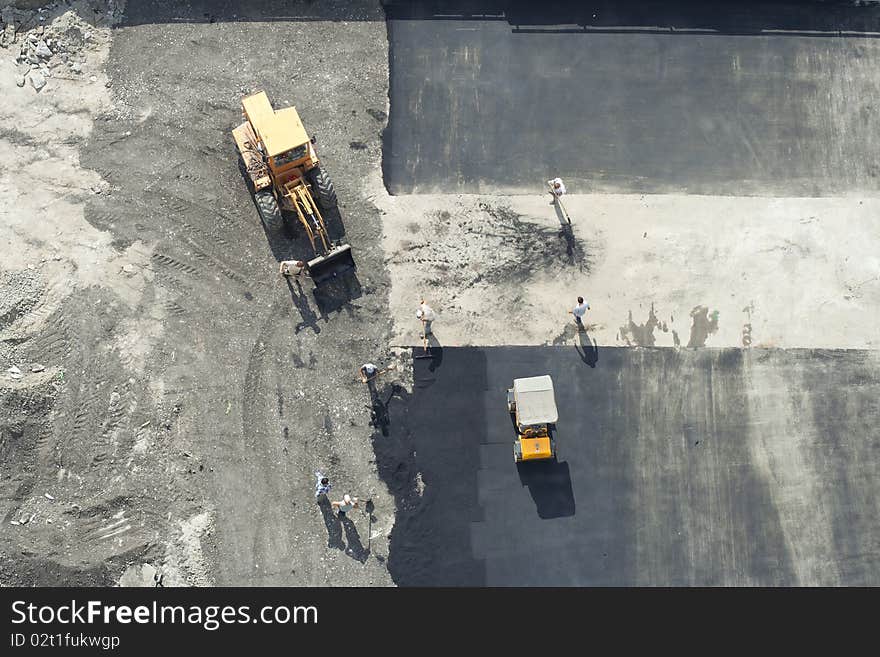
{"x": 51, "y": 41}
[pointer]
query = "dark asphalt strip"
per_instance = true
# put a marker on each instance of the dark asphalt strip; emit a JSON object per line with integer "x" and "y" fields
{"x": 671, "y": 97}
{"x": 658, "y": 481}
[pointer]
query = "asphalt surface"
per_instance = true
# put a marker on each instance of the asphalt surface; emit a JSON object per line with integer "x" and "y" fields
{"x": 677, "y": 467}
{"x": 766, "y": 99}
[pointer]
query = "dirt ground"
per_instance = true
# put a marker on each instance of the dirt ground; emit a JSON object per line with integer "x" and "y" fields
{"x": 185, "y": 394}
{"x": 657, "y": 270}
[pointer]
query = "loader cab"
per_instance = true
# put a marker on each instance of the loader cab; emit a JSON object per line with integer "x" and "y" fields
{"x": 295, "y": 156}
{"x": 281, "y": 136}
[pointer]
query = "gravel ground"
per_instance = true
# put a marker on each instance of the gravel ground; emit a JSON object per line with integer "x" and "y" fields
{"x": 194, "y": 392}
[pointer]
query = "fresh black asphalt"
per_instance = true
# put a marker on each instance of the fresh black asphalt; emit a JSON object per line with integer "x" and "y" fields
{"x": 667, "y": 474}
{"x": 731, "y": 98}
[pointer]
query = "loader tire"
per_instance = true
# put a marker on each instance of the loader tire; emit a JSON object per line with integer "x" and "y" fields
{"x": 324, "y": 187}
{"x": 269, "y": 211}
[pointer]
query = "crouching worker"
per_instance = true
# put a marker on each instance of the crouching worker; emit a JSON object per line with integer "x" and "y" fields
{"x": 292, "y": 267}
{"x": 346, "y": 504}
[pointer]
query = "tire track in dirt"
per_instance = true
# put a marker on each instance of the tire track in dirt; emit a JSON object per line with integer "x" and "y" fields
{"x": 259, "y": 545}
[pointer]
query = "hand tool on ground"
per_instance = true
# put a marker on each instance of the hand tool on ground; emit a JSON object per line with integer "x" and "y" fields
{"x": 425, "y": 353}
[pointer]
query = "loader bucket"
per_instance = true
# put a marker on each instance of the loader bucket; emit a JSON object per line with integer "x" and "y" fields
{"x": 334, "y": 263}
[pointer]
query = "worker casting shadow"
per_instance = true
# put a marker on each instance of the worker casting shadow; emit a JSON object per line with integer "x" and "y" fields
{"x": 355, "y": 548}
{"x": 334, "y": 528}
{"x": 587, "y": 348}
{"x": 549, "y": 484}
{"x": 301, "y": 301}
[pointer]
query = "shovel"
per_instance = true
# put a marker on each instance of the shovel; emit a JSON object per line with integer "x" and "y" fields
{"x": 559, "y": 200}
{"x": 425, "y": 353}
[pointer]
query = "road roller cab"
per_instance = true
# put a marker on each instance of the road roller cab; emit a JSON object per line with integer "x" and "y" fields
{"x": 532, "y": 403}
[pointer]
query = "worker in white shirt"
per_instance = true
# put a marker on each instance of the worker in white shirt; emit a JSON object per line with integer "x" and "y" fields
{"x": 579, "y": 311}
{"x": 346, "y": 504}
{"x": 557, "y": 189}
{"x": 426, "y": 315}
{"x": 291, "y": 267}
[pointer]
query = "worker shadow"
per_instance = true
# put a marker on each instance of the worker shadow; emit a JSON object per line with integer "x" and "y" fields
{"x": 301, "y": 301}
{"x": 566, "y": 232}
{"x": 432, "y": 353}
{"x": 549, "y": 484}
{"x": 571, "y": 245}
{"x": 379, "y": 400}
{"x": 331, "y": 521}
{"x": 587, "y": 348}
{"x": 355, "y": 548}
{"x": 336, "y": 294}
{"x": 427, "y": 360}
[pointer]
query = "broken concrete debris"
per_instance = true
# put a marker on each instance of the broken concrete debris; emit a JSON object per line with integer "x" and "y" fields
{"x": 7, "y": 37}
{"x": 38, "y": 80}
{"x": 42, "y": 50}
{"x": 44, "y": 47}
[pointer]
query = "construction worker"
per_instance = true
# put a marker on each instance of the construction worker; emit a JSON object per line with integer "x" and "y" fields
{"x": 292, "y": 267}
{"x": 426, "y": 315}
{"x": 579, "y": 311}
{"x": 369, "y": 372}
{"x": 557, "y": 189}
{"x": 322, "y": 485}
{"x": 346, "y": 504}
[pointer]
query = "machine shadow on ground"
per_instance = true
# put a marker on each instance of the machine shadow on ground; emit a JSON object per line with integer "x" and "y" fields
{"x": 724, "y": 17}
{"x": 549, "y": 484}
{"x": 664, "y": 479}
{"x": 338, "y": 294}
{"x": 250, "y": 11}
{"x": 627, "y": 16}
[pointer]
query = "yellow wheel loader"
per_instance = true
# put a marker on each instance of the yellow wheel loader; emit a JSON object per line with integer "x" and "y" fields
{"x": 283, "y": 167}
{"x": 532, "y": 404}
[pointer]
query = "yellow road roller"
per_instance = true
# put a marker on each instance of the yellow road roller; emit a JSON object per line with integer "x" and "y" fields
{"x": 532, "y": 404}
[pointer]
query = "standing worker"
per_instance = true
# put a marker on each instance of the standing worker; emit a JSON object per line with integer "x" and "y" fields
{"x": 579, "y": 311}
{"x": 322, "y": 486}
{"x": 557, "y": 189}
{"x": 426, "y": 315}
